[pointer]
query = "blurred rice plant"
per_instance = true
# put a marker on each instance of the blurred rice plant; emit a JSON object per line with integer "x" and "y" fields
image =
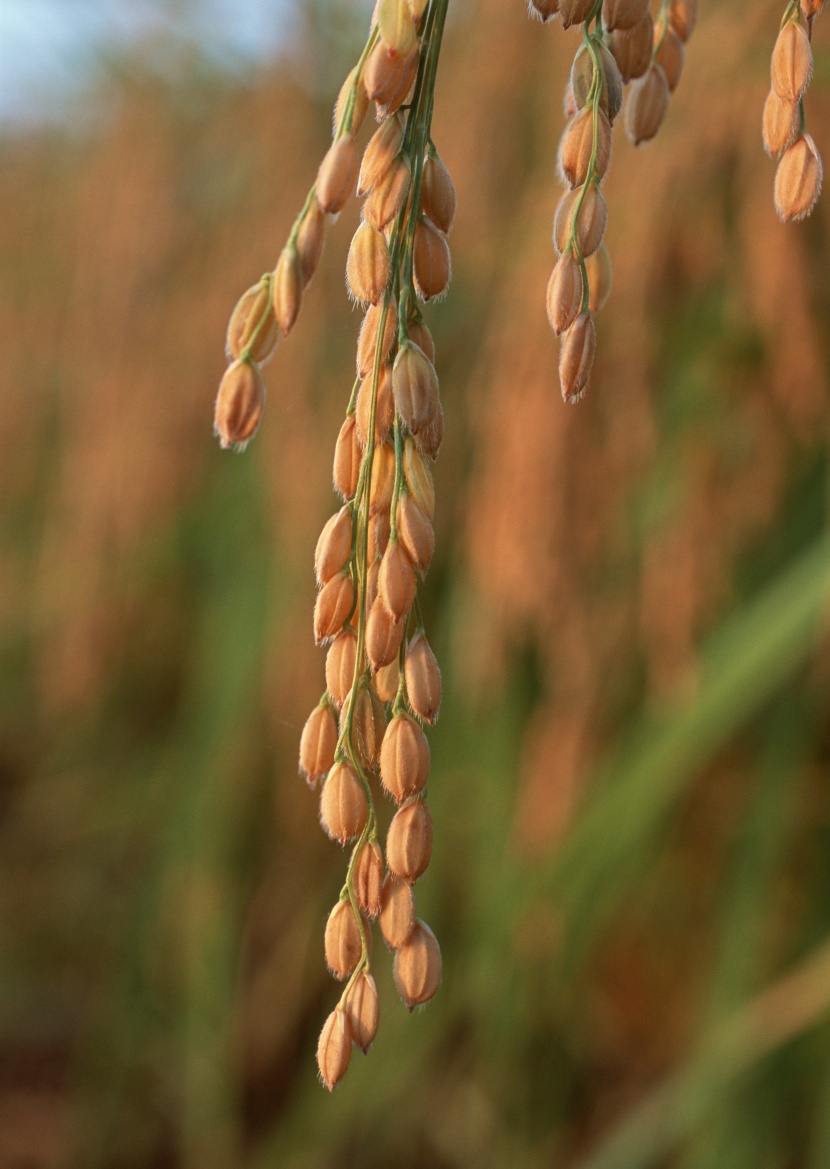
{"x": 631, "y": 870}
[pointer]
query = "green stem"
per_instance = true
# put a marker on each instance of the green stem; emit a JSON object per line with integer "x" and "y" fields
{"x": 298, "y": 222}
{"x": 345, "y": 124}
{"x": 348, "y": 889}
{"x": 353, "y": 399}
{"x": 663, "y": 23}
{"x": 401, "y": 700}
{"x": 267, "y": 316}
{"x": 421, "y": 125}
{"x": 399, "y": 476}
{"x": 790, "y": 12}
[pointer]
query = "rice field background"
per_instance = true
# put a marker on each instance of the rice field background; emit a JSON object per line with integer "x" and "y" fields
{"x": 629, "y": 600}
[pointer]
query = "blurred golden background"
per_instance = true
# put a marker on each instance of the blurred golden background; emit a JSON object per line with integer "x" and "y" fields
{"x": 629, "y": 600}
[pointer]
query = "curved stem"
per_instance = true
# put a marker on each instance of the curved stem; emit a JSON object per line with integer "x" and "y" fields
{"x": 663, "y": 22}
{"x": 345, "y": 124}
{"x": 266, "y": 318}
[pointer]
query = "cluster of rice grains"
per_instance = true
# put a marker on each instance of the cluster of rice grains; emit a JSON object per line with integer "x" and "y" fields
{"x": 799, "y": 174}
{"x": 623, "y": 46}
{"x": 382, "y": 679}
